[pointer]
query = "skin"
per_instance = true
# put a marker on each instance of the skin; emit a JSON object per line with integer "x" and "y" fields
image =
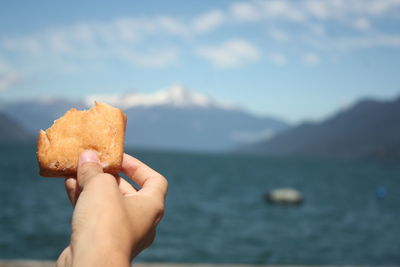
{"x": 112, "y": 221}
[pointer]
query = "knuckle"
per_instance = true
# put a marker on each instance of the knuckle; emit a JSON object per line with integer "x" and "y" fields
{"x": 88, "y": 169}
{"x": 162, "y": 181}
{"x": 85, "y": 171}
{"x": 165, "y": 181}
{"x": 159, "y": 208}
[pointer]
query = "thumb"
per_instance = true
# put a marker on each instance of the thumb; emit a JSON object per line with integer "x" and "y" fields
{"x": 88, "y": 167}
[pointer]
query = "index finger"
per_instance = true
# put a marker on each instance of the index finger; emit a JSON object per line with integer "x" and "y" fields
{"x": 149, "y": 180}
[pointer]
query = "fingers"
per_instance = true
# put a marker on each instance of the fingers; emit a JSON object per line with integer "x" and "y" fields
{"x": 125, "y": 187}
{"x": 88, "y": 167}
{"x": 72, "y": 188}
{"x": 151, "y": 181}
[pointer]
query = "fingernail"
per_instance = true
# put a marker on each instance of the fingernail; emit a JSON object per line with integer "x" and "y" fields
{"x": 88, "y": 156}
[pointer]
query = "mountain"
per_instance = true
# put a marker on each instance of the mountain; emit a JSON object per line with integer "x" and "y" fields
{"x": 11, "y": 131}
{"x": 177, "y": 96}
{"x": 369, "y": 128}
{"x": 194, "y": 128}
{"x": 174, "y": 118}
{"x": 39, "y": 114}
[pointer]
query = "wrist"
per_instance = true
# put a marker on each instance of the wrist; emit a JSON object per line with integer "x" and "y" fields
{"x": 99, "y": 255}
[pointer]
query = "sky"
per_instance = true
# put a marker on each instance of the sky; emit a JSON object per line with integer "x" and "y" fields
{"x": 297, "y": 60}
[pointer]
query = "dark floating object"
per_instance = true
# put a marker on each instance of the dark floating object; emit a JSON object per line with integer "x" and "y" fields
{"x": 286, "y": 196}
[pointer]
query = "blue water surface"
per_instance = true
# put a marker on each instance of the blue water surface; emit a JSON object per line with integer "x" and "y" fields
{"x": 215, "y": 210}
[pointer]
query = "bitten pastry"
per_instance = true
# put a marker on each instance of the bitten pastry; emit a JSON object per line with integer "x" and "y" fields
{"x": 101, "y": 128}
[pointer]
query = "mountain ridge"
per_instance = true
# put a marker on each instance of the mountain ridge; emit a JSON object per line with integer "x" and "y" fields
{"x": 11, "y": 131}
{"x": 177, "y": 95}
{"x": 368, "y": 128}
{"x": 176, "y": 119}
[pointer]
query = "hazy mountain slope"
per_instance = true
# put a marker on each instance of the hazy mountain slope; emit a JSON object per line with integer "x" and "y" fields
{"x": 368, "y": 128}
{"x": 11, "y": 131}
{"x": 175, "y": 118}
{"x": 193, "y": 128}
{"x": 38, "y": 114}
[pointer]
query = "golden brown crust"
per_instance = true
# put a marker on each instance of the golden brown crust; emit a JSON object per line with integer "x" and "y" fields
{"x": 102, "y": 128}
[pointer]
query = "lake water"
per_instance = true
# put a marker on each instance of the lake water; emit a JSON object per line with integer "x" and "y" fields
{"x": 216, "y": 213}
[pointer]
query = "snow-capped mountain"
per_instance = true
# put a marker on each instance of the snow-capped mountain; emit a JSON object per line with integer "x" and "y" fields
{"x": 175, "y": 96}
{"x": 173, "y": 118}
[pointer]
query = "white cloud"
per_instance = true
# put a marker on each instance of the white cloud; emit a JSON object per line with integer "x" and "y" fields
{"x": 172, "y": 26}
{"x": 28, "y": 44}
{"x": 245, "y": 11}
{"x": 319, "y": 9}
{"x": 146, "y": 41}
{"x": 60, "y": 44}
{"x": 281, "y": 9}
{"x": 267, "y": 9}
{"x": 7, "y": 80}
{"x": 119, "y": 39}
{"x": 310, "y": 58}
{"x": 8, "y": 77}
{"x": 156, "y": 59}
{"x": 83, "y": 33}
{"x": 348, "y": 43}
{"x": 370, "y": 41}
{"x": 137, "y": 40}
{"x": 278, "y": 58}
{"x": 230, "y": 54}
{"x": 379, "y": 7}
{"x": 121, "y": 29}
{"x": 339, "y": 9}
{"x": 317, "y": 29}
{"x": 208, "y": 21}
{"x": 306, "y": 10}
{"x": 279, "y": 35}
{"x": 362, "y": 24}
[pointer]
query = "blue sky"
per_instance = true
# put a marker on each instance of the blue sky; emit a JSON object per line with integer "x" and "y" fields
{"x": 298, "y": 60}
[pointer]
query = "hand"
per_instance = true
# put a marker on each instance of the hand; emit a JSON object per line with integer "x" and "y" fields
{"x": 112, "y": 222}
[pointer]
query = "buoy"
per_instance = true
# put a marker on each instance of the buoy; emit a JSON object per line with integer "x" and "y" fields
{"x": 284, "y": 196}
